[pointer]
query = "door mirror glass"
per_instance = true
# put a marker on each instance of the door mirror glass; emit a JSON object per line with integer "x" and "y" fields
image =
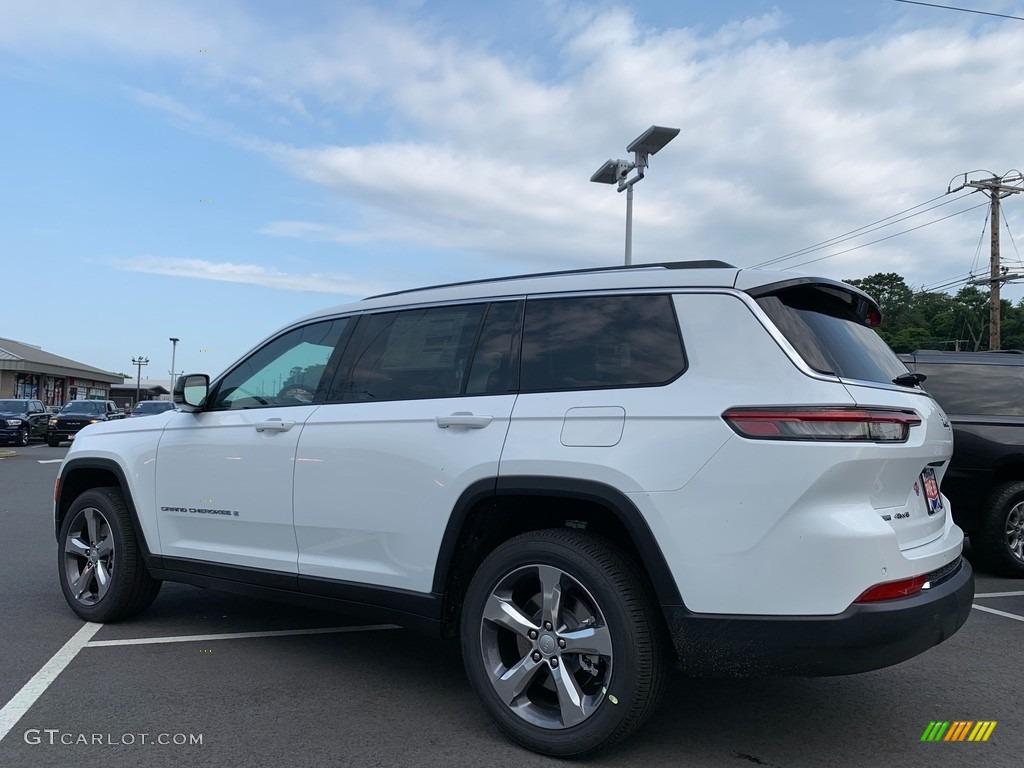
{"x": 191, "y": 389}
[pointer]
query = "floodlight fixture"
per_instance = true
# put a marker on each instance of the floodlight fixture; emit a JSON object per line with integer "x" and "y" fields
{"x": 612, "y": 172}
{"x": 648, "y": 143}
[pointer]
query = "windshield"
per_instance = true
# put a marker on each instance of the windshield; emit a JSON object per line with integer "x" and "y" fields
{"x": 152, "y": 407}
{"x": 85, "y": 406}
{"x": 13, "y": 405}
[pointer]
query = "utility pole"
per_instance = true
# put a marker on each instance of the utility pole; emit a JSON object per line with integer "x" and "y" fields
{"x": 138, "y": 362}
{"x": 995, "y": 188}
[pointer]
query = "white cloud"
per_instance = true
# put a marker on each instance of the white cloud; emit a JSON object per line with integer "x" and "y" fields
{"x": 456, "y": 145}
{"x": 250, "y": 274}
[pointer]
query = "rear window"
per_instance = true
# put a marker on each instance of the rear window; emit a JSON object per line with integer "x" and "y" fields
{"x": 979, "y": 390}
{"x": 821, "y": 325}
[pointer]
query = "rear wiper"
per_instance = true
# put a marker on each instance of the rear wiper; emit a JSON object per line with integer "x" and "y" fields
{"x": 909, "y": 379}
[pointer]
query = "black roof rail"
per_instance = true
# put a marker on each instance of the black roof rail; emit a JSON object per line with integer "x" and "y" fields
{"x": 703, "y": 264}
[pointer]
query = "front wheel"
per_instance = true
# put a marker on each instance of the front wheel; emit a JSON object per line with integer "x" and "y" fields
{"x": 53, "y": 442}
{"x": 100, "y": 562}
{"x": 23, "y": 437}
{"x": 998, "y": 542}
{"x": 563, "y": 642}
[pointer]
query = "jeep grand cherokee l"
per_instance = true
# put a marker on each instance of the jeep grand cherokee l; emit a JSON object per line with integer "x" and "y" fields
{"x": 586, "y": 476}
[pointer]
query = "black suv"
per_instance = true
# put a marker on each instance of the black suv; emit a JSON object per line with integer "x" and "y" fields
{"x": 22, "y": 419}
{"x": 983, "y": 395}
{"x": 77, "y": 414}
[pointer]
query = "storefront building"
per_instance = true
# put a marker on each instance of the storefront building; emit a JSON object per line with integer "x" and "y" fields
{"x": 27, "y": 371}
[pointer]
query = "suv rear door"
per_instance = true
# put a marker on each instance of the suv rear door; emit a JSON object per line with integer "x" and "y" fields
{"x": 418, "y": 414}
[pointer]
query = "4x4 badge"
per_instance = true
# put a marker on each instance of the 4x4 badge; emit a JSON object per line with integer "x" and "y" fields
{"x": 945, "y": 421}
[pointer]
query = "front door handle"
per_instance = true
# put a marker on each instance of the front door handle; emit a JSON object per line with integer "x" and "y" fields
{"x": 464, "y": 419}
{"x": 274, "y": 425}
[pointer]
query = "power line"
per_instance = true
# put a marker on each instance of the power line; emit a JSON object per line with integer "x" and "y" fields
{"x": 963, "y": 10}
{"x": 887, "y": 237}
{"x": 866, "y": 229}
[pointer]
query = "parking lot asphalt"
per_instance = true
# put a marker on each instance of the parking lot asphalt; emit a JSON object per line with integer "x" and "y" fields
{"x": 204, "y": 678}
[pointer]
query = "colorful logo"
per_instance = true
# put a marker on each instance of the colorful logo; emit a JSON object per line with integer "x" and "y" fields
{"x": 958, "y": 730}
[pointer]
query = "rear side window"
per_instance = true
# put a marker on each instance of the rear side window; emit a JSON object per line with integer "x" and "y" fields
{"x": 821, "y": 325}
{"x": 979, "y": 390}
{"x": 413, "y": 354}
{"x": 596, "y": 342}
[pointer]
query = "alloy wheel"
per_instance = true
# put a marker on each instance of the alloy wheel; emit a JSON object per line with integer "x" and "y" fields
{"x": 546, "y": 646}
{"x": 89, "y": 557}
{"x": 1015, "y": 531}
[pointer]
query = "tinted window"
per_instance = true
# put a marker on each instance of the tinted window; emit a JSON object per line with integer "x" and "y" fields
{"x": 981, "y": 390}
{"x": 286, "y": 371}
{"x": 599, "y": 342}
{"x": 821, "y": 326}
{"x": 493, "y": 369}
{"x": 84, "y": 406}
{"x": 410, "y": 355}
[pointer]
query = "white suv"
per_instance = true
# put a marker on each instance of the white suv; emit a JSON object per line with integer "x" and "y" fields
{"x": 587, "y": 476}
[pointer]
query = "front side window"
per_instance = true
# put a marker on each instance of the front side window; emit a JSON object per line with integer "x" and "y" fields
{"x": 412, "y": 354}
{"x": 595, "y": 342}
{"x": 286, "y": 371}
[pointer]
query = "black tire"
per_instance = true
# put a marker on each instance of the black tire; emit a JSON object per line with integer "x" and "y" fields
{"x": 997, "y": 544}
{"x": 23, "y": 437}
{"x": 52, "y": 442}
{"x": 97, "y": 538}
{"x": 601, "y": 604}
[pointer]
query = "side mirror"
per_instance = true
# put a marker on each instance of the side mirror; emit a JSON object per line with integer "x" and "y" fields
{"x": 190, "y": 391}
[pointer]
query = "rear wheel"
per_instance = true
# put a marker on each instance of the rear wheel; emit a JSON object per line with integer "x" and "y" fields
{"x": 563, "y": 643}
{"x": 102, "y": 573}
{"x": 998, "y": 542}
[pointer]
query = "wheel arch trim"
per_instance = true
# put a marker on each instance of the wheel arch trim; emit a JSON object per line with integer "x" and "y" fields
{"x": 625, "y": 511}
{"x": 62, "y": 504}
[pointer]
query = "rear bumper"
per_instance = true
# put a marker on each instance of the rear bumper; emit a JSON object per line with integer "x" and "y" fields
{"x": 864, "y": 637}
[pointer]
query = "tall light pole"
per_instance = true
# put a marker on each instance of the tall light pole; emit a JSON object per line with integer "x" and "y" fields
{"x": 138, "y": 362}
{"x": 174, "y": 371}
{"x": 617, "y": 171}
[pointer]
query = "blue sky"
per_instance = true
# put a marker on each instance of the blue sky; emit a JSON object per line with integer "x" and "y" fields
{"x": 211, "y": 171}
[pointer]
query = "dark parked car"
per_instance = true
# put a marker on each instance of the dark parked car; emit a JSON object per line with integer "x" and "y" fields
{"x": 149, "y": 407}
{"x": 77, "y": 414}
{"x": 983, "y": 395}
{"x": 22, "y": 419}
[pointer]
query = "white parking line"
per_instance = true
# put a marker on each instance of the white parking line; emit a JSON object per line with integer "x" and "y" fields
{"x": 238, "y": 635}
{"x": 15, "y": 709}
{"x": 23, "y": 700}
{"x": 1001, "y": 594}
{"x": 49, "y": 461}
{"x": 999, "y": 613}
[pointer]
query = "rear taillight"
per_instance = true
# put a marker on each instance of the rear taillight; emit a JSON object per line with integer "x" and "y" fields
{"x": 893, "y": 589}
{"x": 817, "y": 423}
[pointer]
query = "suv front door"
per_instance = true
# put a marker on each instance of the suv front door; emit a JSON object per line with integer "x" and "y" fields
{"x": 418, "y": 414}
{"x": 224, "y": 474}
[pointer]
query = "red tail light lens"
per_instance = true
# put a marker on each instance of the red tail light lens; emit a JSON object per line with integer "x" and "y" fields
{"x": 816, "y": 423}
{"x": 893, "y": 589}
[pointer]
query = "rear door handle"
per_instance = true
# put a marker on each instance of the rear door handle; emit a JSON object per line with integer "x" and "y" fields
{"x": 274, "y": 425}
{"x": 464, "y": 419}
